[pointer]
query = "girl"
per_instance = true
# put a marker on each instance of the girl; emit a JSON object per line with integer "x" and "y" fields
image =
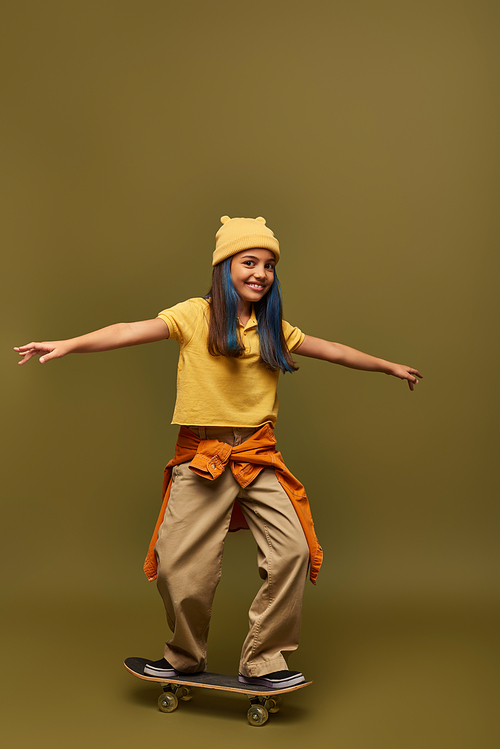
{"x": 233, "y": 345}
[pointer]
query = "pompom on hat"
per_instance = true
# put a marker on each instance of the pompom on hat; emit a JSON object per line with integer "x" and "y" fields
{"x": 238, "y": 234}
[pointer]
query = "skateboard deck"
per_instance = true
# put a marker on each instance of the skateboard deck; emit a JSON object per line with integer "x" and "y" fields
{"x": 264, "y": 700}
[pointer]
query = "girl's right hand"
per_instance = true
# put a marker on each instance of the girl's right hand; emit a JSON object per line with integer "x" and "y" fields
{"x": 48, "y": 349}
{"x": 113, "y": 336}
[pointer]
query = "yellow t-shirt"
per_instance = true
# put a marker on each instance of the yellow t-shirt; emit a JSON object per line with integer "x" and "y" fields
{"x": 220, "y": 390}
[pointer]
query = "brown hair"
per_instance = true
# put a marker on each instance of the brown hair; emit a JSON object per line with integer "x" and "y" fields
{"x": 219, "y": 321}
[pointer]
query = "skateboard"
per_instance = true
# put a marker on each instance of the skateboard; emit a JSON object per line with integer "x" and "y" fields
{"x": 264, "y": 700}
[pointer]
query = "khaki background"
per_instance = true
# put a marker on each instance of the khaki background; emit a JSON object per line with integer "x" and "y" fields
{"x": 366, "y": 132}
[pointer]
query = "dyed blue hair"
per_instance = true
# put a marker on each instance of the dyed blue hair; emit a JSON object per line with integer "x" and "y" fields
{"x": 231, "y": 299}
{"x": 269, "y": 313}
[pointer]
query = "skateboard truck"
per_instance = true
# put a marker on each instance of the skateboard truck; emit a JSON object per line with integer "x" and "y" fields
{"x": 260, "y": 707}
{"x": 257, "y": 714}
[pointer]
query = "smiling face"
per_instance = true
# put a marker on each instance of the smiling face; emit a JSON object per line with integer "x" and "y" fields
{"x": 252, "y": 273}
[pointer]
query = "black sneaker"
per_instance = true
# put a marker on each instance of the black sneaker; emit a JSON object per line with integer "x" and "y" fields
{"x": 160, "y": 668}
{"x": 278, "y": 679}
{"x": 165, "y": 669}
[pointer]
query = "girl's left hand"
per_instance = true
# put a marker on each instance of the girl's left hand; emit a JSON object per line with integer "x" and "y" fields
{"x": 406, "y": 373}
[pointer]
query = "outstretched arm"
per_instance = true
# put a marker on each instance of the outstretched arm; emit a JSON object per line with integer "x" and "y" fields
{"x": 114, "y": 336}
{"x": 337, "y": 353}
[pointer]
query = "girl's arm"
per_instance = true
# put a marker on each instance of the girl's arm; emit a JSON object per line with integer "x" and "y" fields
{"x": 337, "y": 353}
{"x": 114, "y": 336}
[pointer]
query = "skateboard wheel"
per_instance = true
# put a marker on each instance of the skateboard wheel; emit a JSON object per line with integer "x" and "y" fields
{"x": 273, "y": 704}
{"x": 257, "y": 715}
{"x": 167, "y": 702}
{"x": 183, "y": 693}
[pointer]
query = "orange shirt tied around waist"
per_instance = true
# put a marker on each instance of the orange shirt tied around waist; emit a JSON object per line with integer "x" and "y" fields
{"x": 209, "y": 458}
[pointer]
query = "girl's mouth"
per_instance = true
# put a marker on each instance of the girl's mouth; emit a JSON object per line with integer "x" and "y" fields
{"x": 255, "y": 286}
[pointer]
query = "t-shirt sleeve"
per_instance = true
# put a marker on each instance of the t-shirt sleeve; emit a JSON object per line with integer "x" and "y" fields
{"x": 182, "y": 319}
{"x": 293, "y": 336}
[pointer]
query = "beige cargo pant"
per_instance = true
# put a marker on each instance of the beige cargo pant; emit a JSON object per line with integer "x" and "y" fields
{"x": 189, "y": 554}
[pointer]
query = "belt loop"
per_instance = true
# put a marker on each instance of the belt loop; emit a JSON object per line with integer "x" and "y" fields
{"x": 203, "y": 433}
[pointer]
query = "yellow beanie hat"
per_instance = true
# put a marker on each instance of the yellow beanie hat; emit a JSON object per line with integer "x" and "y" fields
{"x": 238, "y": 234}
